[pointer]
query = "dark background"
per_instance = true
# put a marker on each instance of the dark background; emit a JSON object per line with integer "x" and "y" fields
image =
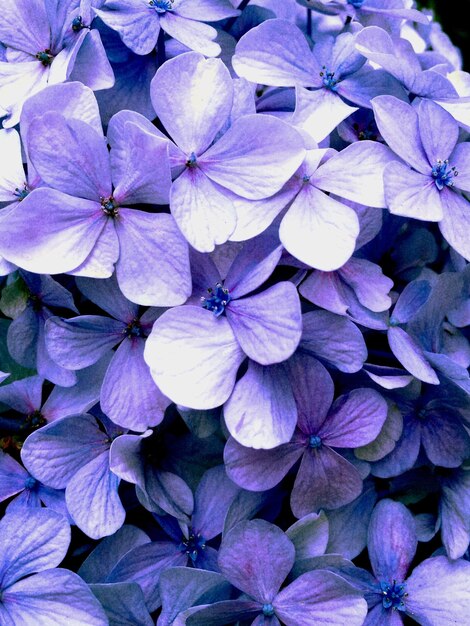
{"x": 454, "y": 17}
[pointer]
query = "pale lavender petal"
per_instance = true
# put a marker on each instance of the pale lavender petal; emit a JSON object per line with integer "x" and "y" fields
{"x": 356, "y": 173}
{"x": 80, "y": 397}
{"x": 276, "y": 53}
{"x": 32, "y": 541}
{"x": 124, "y": 603}
{"x": 92, "y": 66}
{"x": 12, "y": 476}
{"x": 100, "y": 262}
{"x": 325, "y": 480}
{"x": 214, "y": 495}
{"x": 57, "y": 451}
{"x": 411, "y": 194}
{"x": 398, "y": 124}
{"x": 333, "y": 339}
{"x": 12, "y": 174}
{"x": 78, "y": 342}
{"x": 318, "y": 230}
{"x": 203, "y": 375}
{"x": 438, "y": 593}
{"x": 261, "y": 411}
{"x": 456, "y": 222}
{"x": 70, "y": 156}
{"x": 370, "y": 284}
{"x": 137, "y": 26}
{"x": 410, "y": 355}
{"x": 24, "y": 25}
{"x": 264, "y": 335}
{"x": 72, "y": 100}
{"x": 326, "y": 290}
{"x": 54, "y": 245}
{"x": 255, "y": 157}
{"x": 23, "y": 395}
{"x": 18, "y": 82}
{"x": 193, "y": 98}
{"x": 460, "y": 157}
{"x": 221, "y": 613}
{"x": 204, "y": 211}
{"x": 92, "y": 498}
{"x": 355, "y": 419}
{"x": 195, "y": 35}
{"x": 309, "y": 535}
{"x": 320, "y": 597}
{"x": 379, "y": 616}
{"x": 453, "y": 509}
{"x": 392, "y": 541}
{"x": 438, "y": 129}
{"x": 259, "y": 470}
{"x": 248, "y": 554}
{"x": 153, "y": 265}
{"x": 101, "y": 561}
{"x": 254, "y": 264}
{"x": 412, "y": 298}
{"x": 129, "y": 396}
{"x": 396, "y": 55}
{"x": 140, "y": 167}
{"x": 51, "y": 596}
{"x": 313, "y": 391}
{"x": 319, "y": 112}
{"x": 207, "y": 10}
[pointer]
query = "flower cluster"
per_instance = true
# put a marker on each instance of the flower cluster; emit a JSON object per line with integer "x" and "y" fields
{"x": 235, "y": 312}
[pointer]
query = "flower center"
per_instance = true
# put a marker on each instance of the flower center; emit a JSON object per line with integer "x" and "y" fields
{"x": 21, "y": 193}
{"x": 314, "y": 441}
{"x": 109, "y": 206}
{"x": 192, "y": 545}
{"x": 45, "y": 56}
{"x": 393, "y": 595}
{"x": 268, "y": 610}
{"x": 217, "y": 300}
{"x": 357, "y": 4}
{"x": 134, "y": 329}
{"x": 191, "y": 161}
{"x": 443, "y": 174}
{"x": 35, "y": 420}
{"x": 161, "y": 6}
{"x": 329, "y": 80}
{"x": 30, "y": 483}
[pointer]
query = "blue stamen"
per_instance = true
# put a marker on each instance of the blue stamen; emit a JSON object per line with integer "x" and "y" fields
{"x": 329, "y": 80}
{"x": 21, "y": 193}
{"x": 45, "y": 56}
{"x": 133, "y": 329}
{"x": 30, "y": 483}
{"x": 191, "y": 161}
{"x": 193, "y": 545}
{"x": 357, "y": 4}
{"x": 393, "y": 595}
{"x": 314, "y": 441}
{"x": 443, "y": 174}
{"x": 217, "y": 300}
{"x": 78, "y": 24}
{"x": 268, "y": 610}
{"x": 161, "y": 6}
{"x": 109, "y": 206}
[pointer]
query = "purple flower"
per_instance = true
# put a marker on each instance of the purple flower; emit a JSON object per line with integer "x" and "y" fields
{"x": 88, "y": 230}
{"x": 73, "y": 453}
{"x": 32, "y": 544}
{"x": 252, "y": 159}
{"x": 256, "y": 557}
{"x": 325, "y": 478}
{"x": 436, "y": 592}
{"x": 138, "y": 22}
{"x": 440, "y": 166}
{"x": 276, "y": 53}
{"x": 212, "y": 340}
{"x": 129, "y": 396}
{"x": 43, "y": 47}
